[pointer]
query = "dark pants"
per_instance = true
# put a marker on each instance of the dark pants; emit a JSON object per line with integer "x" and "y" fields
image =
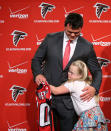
{"x": 64, "y": 116}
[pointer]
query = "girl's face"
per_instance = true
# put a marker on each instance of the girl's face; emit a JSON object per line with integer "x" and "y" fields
{"x": 73, "y": 73}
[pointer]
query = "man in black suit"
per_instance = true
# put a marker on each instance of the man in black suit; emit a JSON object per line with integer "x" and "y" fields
{"x": 51, "y": 52}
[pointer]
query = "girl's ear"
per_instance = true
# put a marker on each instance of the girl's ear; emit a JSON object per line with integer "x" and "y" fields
{"x": 79, "y": 76}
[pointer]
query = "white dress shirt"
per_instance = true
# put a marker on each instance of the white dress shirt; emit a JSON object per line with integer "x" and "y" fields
{"x": 72, "y": 45}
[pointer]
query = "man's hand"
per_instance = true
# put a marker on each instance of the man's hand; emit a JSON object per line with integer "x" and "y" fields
{"x": 40, "y": 78}
{"x": 89, "y": 92}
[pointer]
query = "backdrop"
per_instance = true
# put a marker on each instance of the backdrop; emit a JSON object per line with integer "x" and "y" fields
{"x": 23, "y": 25}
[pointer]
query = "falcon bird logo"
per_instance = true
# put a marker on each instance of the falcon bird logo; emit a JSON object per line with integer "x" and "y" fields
{"x": 101, "y": 8}
{"x": 17, "y": 35}
{"x": 45, "y": 8}
{"x": 16, "y": 91}
{"x": 103, "y": 61}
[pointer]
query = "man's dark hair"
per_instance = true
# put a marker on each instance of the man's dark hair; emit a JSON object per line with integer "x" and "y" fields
{"x": 74, "y": 20}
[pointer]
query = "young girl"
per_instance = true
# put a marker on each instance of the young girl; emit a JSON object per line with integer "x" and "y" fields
{"x": 91, "y": 117}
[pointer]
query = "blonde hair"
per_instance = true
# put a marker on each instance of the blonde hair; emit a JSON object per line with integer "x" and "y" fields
{"x": 82, "y": 70}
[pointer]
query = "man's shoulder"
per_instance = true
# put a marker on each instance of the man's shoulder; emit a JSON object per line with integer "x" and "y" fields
{"x": 55, "y": 34}
{"x": 83, "y": 40}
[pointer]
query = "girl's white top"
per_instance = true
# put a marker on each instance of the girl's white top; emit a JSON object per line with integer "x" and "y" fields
{"x": 75, "y": 89}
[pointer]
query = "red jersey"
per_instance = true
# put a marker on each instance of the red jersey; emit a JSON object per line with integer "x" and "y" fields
{"x": 44, "y": 113}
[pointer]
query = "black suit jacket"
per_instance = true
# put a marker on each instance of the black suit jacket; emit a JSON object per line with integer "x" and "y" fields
{"x": 50, "y": 51}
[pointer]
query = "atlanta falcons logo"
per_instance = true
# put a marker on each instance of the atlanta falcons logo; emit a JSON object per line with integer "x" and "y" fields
{"x": 17, "y": 35}
{"x": 45, "y": 7}
{"x": 16, "y": 91}
{"x": 103, "y": 61}
{"x": 101, "y": 8}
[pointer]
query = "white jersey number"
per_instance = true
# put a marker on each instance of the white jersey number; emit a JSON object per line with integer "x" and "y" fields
{"x": 44, "y": 114}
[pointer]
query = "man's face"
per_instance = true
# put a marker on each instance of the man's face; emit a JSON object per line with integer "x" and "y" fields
{"x": 72, "y": 33}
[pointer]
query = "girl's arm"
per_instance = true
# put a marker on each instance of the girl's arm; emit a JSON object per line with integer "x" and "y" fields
{"x": 59, "y": 90}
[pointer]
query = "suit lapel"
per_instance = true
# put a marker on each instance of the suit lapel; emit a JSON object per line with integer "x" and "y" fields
{"x": 60, "y": 48}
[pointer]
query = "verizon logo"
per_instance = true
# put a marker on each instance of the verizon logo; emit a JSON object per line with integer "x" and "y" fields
{"x": 15, "y": 14}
